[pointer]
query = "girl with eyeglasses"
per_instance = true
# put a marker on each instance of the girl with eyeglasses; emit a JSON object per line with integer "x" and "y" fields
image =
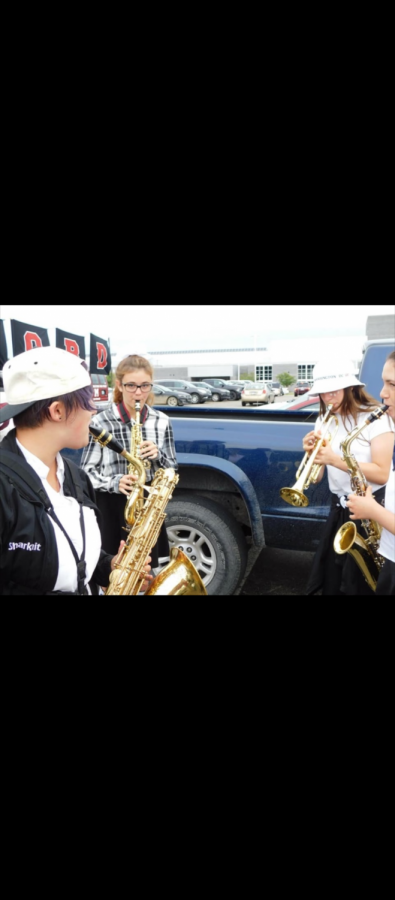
{"x": 108, "y": 470}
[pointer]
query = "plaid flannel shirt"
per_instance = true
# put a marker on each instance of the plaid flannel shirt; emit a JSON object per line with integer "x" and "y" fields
{"x": 105, "y": 467}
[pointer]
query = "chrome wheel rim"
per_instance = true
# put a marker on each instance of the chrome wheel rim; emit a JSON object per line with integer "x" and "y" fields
{"x": 196, "y": 547}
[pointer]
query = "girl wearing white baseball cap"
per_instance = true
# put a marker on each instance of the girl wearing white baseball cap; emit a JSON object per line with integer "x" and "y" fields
{"x": 49, "y": 537}
{"x": 335, "y": 383}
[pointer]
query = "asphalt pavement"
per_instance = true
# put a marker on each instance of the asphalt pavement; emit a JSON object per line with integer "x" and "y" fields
{"x": 278, "y": 572}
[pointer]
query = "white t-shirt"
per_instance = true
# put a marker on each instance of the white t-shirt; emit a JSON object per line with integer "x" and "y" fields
{"x": 339, "y": 481}
{"x": 68, "y": 512}
{"x": 387, "y": 540}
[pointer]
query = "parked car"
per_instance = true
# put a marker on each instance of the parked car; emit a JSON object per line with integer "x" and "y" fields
{"x": 259, "y": 393}
{"x": 276, "y": 387}
{"x": 235, "y": 390}
{"x": 301, "y": 388}
{"x": 170, "y": 396}
{"x": 198, "y": 394}
{"x": 218, "y": 393}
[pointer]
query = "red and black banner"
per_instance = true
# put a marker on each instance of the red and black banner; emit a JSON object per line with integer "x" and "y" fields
{"x": 3, "y": 345}
{"x": 73, "y": 343}
{"x": 27, "y": 337}
{"x": 100, "y": 358}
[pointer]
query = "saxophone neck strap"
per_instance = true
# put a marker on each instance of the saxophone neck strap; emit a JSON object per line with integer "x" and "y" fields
{"x": 126, "y": 417}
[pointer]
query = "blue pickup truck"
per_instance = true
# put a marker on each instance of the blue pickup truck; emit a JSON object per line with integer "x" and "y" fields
{"x": 232, "y": 465}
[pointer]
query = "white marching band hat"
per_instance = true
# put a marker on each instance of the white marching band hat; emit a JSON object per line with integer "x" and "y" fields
{"x": 331, "y": 375}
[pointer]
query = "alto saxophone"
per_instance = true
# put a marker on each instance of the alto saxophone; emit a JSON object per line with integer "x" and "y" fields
{"x": 347, "y": 539}
{"x": 179, "y": 576}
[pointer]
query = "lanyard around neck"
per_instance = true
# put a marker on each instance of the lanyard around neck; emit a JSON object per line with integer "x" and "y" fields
{"x": 80, "y": 562}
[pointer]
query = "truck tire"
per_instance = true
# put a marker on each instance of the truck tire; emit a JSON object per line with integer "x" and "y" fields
{"x": 212, "y": 539}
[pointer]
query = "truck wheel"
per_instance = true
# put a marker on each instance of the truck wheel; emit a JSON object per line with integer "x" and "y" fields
{"x": 212, "y": 539}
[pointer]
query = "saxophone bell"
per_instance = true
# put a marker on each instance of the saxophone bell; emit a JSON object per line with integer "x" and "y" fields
{"x": 179, "y": 577}
{"x": 348, "y": 540}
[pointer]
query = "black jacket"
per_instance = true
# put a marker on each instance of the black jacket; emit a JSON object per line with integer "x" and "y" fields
{"x": 28, "y": 548}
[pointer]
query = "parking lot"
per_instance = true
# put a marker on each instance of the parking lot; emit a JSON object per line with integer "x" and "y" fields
{"x": 236, "y": 404}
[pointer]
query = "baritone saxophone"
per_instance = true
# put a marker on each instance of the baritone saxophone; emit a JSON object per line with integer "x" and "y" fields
{"x": 179, "y": 576}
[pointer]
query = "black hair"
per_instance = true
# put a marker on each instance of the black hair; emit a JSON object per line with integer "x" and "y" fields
{"x": 35, "y": 415}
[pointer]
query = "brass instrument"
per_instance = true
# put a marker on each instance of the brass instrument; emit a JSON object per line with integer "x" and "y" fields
{"x": 179, "y": 576}
{"x": 135, "y": 500}
{"x": 307, "y": 473}
{"x": 347, "y": 539}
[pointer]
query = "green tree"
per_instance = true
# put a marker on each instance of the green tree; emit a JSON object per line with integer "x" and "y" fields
{"x": 285, "y": 379}
{"x": 111, "y": 379}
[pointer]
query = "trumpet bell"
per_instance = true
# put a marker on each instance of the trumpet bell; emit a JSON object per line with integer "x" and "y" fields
{"x": 179, "y": 577}
{"x": 293, "y": 496}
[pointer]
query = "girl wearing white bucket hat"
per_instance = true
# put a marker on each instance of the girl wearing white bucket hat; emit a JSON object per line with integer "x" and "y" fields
{"x": 367, "y": 508}
{"x": 49, "y": 537}
{"x": 335, "y": 383}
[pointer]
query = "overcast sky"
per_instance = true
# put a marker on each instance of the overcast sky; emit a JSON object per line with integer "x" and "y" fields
{"x": 147, "y": 327}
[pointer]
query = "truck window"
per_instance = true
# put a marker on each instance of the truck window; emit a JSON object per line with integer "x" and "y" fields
{"x": 372, "y": 367}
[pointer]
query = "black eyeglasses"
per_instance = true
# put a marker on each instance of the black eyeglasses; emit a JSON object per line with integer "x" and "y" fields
{"x": 146, "y": 386}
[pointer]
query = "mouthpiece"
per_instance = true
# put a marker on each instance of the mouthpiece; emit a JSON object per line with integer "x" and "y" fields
{"x": 377, "y": 413}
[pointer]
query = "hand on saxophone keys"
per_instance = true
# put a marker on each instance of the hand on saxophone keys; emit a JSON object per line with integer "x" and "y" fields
{"x": 362, "y": 506}
{"x": 126, "y": 483}
{"x": 148, "y": 450}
